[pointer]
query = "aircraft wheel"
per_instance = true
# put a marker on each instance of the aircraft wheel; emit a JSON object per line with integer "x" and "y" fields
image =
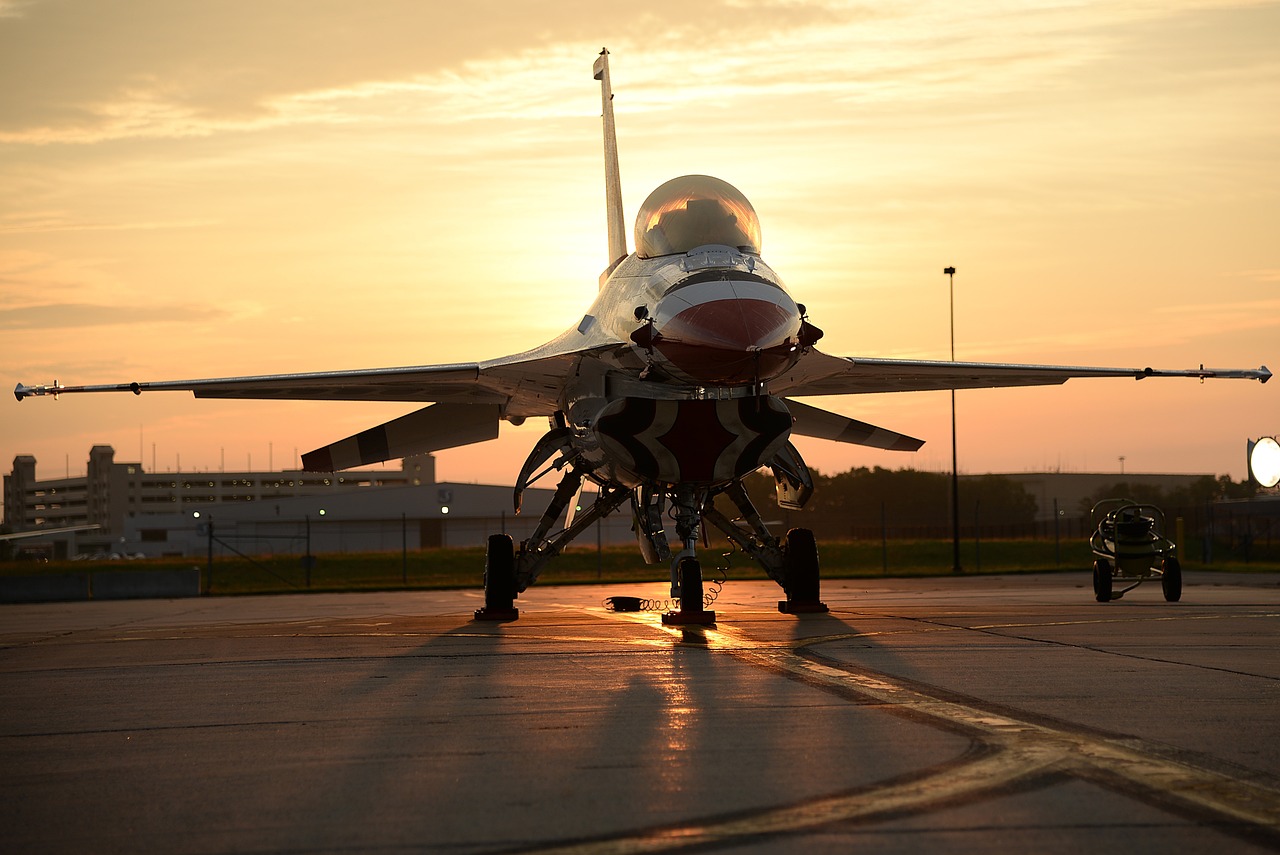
{"x": 499, "y": 580}
{"x": 1171, "y": 581}
{"x": 1102, "y": 580}
{"x": 692, "y": 611}
{"x": 800, "y": 561}
{"x": 690, "y": 585}
{"x": 802, "y": 580}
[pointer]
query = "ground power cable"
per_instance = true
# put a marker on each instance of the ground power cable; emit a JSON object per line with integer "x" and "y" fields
{"x": 619, "y": 603}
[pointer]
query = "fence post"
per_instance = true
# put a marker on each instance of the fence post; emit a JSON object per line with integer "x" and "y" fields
{"x": 1057, "y": 537}
{"x": 884, "y": 542}
{"x": 977, "y": 534}
{"x": 208, "y": 572}
{"x": 1206, "y": 549}
{"x": 307, "y": 559}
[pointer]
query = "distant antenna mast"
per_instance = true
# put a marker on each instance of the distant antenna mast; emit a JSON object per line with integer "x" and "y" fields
{"x": 612, "y": 178}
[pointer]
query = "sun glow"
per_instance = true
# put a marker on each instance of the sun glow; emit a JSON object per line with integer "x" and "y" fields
{"x": 382, "y": 190}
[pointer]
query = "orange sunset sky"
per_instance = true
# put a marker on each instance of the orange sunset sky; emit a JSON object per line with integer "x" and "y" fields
{"x": 215, "y": 189}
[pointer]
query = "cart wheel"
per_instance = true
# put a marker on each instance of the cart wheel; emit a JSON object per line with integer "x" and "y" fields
{"x": 1102, "y": 580}
{"x": 1171, "y": 581}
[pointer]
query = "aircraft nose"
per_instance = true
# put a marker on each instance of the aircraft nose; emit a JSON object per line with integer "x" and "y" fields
{"x": 726, "y": 331}
{"x": 732, "y": 324}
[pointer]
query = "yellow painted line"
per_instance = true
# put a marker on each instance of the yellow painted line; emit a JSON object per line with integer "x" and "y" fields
{"x": 1240, "y": 800}
{"x": 1134, "y": 619}
{"x": 1022, "y": 751}
{"x": 988, "y": 773}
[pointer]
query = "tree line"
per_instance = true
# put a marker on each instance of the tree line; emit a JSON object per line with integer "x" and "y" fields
{"x": 865, "y": 502}
{"x": 1197, "y": 494}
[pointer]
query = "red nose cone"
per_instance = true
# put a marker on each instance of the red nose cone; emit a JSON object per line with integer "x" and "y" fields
{"x": 730, "y": 340}
{"x": 732, "y": 325}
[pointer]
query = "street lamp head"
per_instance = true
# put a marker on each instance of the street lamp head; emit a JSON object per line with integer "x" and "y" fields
{"x": 950, "y": 271}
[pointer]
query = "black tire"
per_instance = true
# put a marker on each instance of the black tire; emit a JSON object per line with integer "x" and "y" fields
{"x": 1102, "y": 580}
{"x": 690, "y": 585}
{"x": 803, "y": 581}
{"x": 1171, "y": 580}
{"x": 499, "y": 572}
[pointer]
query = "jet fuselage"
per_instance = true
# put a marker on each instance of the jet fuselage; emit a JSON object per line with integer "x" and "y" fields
{"x": 702, "y": 327}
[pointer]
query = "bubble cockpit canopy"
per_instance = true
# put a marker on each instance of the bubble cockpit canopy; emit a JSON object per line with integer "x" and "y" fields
{"x": 692, "y": 211}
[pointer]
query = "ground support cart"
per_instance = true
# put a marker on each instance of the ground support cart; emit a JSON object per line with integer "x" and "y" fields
{"x": 1129, "y": 545}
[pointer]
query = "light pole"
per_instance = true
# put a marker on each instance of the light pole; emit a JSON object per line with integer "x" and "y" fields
{"x": 955, "y": 473}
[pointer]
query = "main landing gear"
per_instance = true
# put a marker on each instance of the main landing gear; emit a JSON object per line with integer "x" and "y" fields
{"x": 792, "y": 563}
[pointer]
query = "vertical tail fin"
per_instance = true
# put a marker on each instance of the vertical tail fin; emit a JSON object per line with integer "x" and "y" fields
{"x": 612, "y": 178}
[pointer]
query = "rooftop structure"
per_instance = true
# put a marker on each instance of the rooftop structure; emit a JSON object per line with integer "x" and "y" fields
{"x": 119, "y": 508}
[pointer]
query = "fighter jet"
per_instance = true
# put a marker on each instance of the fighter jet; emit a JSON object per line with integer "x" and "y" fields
{"x": 679, "y": 381}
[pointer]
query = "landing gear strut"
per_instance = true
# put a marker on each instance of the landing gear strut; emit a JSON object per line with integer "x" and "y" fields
{"x": 508, "y": 571}
{"x": 793, "y": 564}
{"x": 687, "y": 571}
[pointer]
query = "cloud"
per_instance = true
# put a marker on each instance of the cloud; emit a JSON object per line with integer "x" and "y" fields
{"x": 157, "y": 68}
{"x": 176, "y": 70}
{"x": 50, "y": 221}
{"x": 60, "y": 316}
{"x": 1267, "y": 275}
{"x": 13, "y": 8}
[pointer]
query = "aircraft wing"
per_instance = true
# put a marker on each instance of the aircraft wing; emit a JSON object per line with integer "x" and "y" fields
{"x": 45, "y": 532}
{"x": 522, "y": 385}
{"x": 819, "y": 373}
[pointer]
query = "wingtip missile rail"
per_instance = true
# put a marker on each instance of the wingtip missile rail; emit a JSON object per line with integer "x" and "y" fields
{"x": 1262, "y": 374}
{"x": 54, "y": 389}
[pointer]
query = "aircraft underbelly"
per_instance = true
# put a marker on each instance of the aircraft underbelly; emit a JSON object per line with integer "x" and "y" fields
{"x": 701, "y": 442}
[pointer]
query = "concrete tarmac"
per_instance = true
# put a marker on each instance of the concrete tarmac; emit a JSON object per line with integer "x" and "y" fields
{"x": 985, "y": 715}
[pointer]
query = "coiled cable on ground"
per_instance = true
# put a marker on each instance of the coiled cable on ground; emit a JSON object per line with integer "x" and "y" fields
{"x": 639, "y": 604}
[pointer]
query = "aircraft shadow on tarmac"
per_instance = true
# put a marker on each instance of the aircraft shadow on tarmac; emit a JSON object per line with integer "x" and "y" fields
{"x": 569, "y": 729}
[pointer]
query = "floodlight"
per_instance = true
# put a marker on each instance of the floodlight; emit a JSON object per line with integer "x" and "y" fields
{"x": 1264, "y": 461}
